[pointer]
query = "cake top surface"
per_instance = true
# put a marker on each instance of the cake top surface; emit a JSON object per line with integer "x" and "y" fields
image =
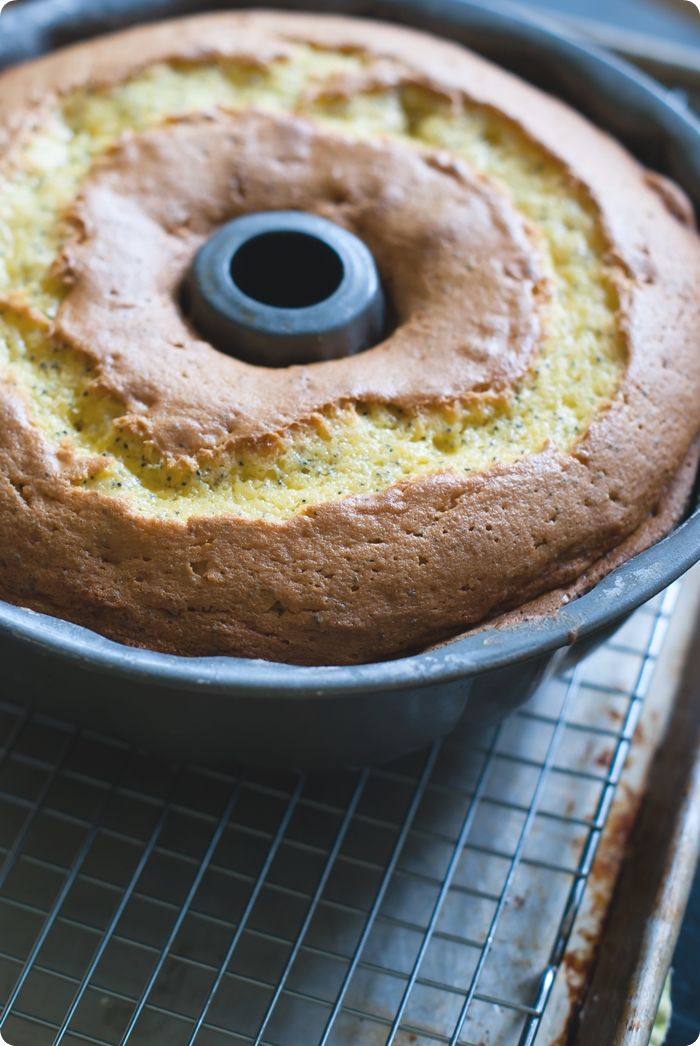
{"x": 532, "y": 266}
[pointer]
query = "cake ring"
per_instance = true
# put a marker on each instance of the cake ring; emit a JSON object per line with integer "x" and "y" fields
{"x": 524, "y": 421}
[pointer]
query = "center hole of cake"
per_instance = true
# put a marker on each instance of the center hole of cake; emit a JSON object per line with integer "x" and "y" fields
{"x": 288, "y": 270}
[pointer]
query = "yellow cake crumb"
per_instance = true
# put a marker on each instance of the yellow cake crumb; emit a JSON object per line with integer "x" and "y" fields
{"x": 364, "y": 447}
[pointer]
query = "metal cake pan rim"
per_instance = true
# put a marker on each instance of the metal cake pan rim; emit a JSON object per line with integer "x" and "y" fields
{"x": 618, "y": 594}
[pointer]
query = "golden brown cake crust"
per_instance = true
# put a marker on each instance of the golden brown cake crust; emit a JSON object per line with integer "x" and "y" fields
{"x": 376, "y": 575}
{"x": 462, "y": 275}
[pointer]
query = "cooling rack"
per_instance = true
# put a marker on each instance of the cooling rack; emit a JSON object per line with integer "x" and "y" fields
{"x": 430, "y": 901}
{"x": 425, "y": 902}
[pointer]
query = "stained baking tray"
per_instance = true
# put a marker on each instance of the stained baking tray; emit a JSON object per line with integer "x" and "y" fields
{"x": 457, "y": 896}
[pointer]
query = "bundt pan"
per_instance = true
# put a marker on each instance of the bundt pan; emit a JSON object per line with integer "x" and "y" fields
{"x": 224, "y": 708}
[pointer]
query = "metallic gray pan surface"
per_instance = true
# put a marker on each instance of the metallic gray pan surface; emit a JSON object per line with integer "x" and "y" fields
{"x": 218, "y": 708}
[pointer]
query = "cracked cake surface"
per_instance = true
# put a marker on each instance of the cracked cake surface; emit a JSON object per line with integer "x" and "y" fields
{"x": 528, "y": 422}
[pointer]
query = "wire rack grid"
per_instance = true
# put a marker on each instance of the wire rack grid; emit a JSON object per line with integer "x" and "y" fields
{"x": 424, "y": 902}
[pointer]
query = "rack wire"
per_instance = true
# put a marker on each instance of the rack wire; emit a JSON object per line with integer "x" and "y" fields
{"x": 429, "y": 901}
